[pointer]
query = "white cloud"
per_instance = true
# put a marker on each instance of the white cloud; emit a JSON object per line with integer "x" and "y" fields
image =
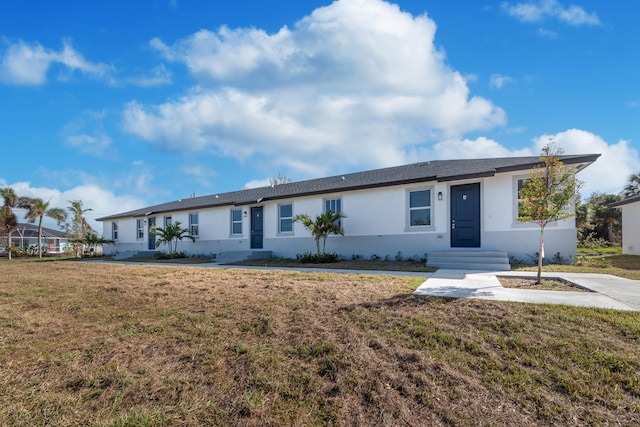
{"x": 610, "y": 172}
{"x": 87, "y": 134}
{"x": 497, "y": 81}
{"x": 159, "y": 76}
{"x": 358, "y": 82}
{"x": 537, "y": 11}
{"x": 28, "y": 64}
{"x": 258, "y": 183}
{"x": 100, "y": 200}
{"x": 607, "y": 175}
{"x": 549, "y": 34}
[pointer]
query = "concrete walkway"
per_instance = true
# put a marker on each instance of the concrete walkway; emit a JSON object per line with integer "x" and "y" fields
{"x": 607, "y": 291}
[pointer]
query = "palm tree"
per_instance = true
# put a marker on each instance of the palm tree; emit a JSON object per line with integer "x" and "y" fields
{"x": 37, "y": 209}
{"x": 323, "y": 225}
{"x": 8, "y": 221}
{"x": 92, "y": 240}
{"x": 170, "y": 235}
{"x": 633, "y": 186}
{"x": 79, "y": 225}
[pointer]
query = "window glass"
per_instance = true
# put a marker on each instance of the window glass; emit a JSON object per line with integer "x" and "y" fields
{"x": 193, "y": 224}
{"x": 114, "y": 231}
{"x": 521, "y": 183}
{"x": 236, "y": 221}
{"x": 140, "y": 229}
{"x": 334, "y": 205}
{"x": 419, "y": 208}
{"x": 286, "y": 218}
{"x": 167, "y": 221}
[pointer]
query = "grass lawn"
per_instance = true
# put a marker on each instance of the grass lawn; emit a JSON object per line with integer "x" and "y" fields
{"x": 133, "y": 345}
{"x": 618, "y": 265}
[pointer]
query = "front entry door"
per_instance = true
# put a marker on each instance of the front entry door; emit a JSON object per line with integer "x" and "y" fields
{"x": 257, "y": 228}
{"x": 152, "y": 235}
{"x": 465, "y": 216}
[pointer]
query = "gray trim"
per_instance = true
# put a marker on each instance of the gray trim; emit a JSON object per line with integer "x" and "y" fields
{"x": 625, "y": 201}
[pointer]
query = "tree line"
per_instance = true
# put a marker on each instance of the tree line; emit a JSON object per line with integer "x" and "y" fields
{"x": 81, "y": 234}
{"x": 597, "y": 224}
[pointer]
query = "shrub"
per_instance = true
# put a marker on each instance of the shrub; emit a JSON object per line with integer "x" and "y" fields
{"x": 309, "y": 258}
{"x": 164, "y": 255}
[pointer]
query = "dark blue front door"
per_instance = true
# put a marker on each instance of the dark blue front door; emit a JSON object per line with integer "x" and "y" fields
{"x": 152, "y": 236}
{"x": 257, "y": 228}
{"x": 465, "y": 216}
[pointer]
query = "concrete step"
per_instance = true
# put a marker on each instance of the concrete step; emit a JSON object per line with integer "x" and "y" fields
{"x": 238, "y": 256}
{"x": 470, "y": 259}
{"x": 471, "y": 266}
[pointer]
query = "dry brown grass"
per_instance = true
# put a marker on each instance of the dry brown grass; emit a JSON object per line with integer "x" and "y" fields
{"x": 129, "y": 345}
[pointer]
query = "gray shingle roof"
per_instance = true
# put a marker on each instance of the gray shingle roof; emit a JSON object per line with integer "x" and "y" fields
{"x": 31, "y": 230}
{"x": 437, "y": 170}
{"x": 625, "y": 201}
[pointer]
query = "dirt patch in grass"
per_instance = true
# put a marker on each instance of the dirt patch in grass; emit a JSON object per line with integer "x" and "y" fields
{"x": 114, "y": 345}
{"x": 546, "y": 284}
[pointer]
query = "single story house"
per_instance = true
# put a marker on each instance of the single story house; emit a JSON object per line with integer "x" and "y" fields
{"x": 26, "y": 235}
{"x": 406, "y": 211}
{"x": 630, "y": 224}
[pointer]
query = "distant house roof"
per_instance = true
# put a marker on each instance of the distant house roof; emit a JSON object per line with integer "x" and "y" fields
{"x": 31, "y": 230}
{"x": 625, "y": 201}
{"x": 437, "y": 170}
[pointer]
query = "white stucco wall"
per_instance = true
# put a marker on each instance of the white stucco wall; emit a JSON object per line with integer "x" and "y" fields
{"x": 376, "y": 224}
{"x": 631, "y": 228}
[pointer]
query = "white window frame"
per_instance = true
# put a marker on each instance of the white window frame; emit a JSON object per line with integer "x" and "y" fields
{"x": 429, "y": 207}
{"x": 236, "y": 221}
{"x": 140, "y": 226}
{"x": 285, "y": 218}
{"x": 194, "y": 225}
{"x": 114, "y": 230}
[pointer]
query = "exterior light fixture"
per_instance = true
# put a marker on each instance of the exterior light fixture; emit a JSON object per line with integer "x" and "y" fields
{"x": 439, "y": 195}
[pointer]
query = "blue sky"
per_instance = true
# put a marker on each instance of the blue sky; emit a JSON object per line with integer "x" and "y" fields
{"x": 127, "y": 104}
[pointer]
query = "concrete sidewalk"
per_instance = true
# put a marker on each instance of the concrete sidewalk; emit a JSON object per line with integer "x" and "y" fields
{"x": 607, "y": 291}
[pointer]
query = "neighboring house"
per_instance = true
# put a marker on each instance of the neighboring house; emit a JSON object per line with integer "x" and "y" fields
{"x": 408, "y": 210}
{"x": 26, "y": 235}
{"x": 630, "y": 224}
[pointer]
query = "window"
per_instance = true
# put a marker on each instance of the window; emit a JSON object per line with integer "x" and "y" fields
{"x": 193, "y": 224}
{"x": 167, "y": 221}
{"x": 236, "y": 221}
{"x": 521, "y": 183}
{"x": 114, "y": 231}
{"x": 285, "y": 215}
{"x": 419, "y": 208}
{"x": 333, "y": 205}
{"x": 140, "y": 229}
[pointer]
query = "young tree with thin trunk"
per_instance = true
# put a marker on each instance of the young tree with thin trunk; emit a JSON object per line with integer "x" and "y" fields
{"x": 37, "y": 209}
{"x": 547, "y": 195}
{"x": 8, "y": 220}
